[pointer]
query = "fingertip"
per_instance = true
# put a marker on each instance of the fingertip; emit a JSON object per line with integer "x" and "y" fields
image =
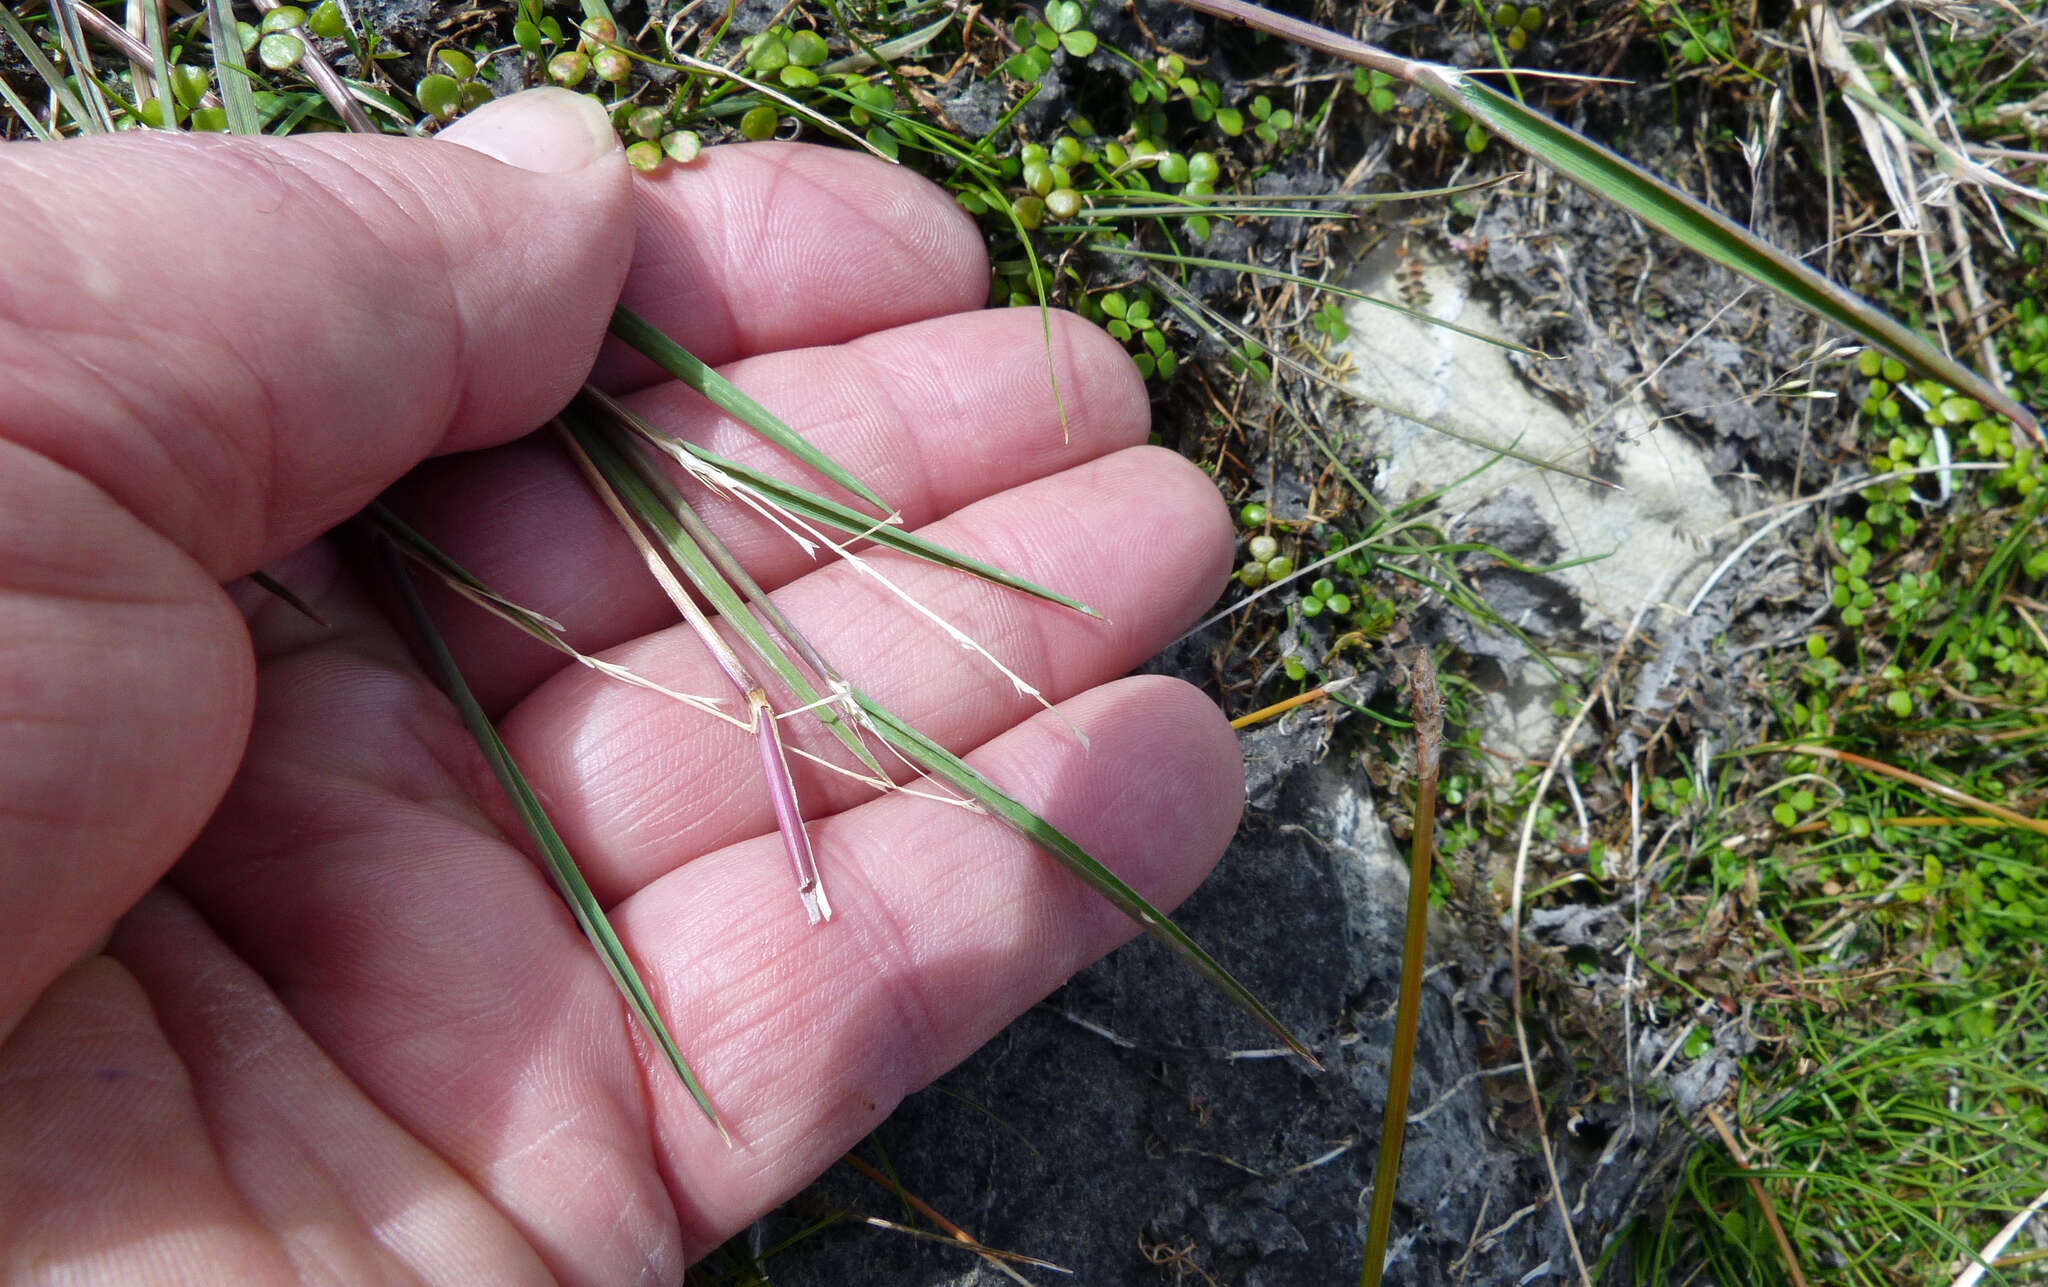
{"x": 547, "y": 130}
{"x": 1192, "y": 515}
{"x": 542, "y": 298}
{"x": 1176, "y": 798}
{"x": 757, "y": 247}
{"x": 1105, "y": 378}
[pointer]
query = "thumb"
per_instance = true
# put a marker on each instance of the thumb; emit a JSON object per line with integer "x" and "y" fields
{"x": 212, "y": 350}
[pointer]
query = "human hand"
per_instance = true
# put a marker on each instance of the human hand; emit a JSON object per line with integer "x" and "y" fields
{"x": 348, "y": 1031}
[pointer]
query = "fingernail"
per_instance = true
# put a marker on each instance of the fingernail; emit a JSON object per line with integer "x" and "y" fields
{"x": 548, "y": 130}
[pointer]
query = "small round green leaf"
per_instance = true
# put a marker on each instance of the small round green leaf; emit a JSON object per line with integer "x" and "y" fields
{"x": 326, "y": 21}
{"x": 280, "y": 50}
{"x": 760, "y": 123}
{"x": 807, "y": 49}
{"x": 189, "y": 84}
{"x": 439, "y": 96}
{"x": 456, "y": 63}
{"x": 683, "y": 146}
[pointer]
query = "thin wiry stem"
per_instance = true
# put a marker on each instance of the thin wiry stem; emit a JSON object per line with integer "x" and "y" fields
{"x": 1924, "y": 783}
{"x": 996, "y": 1259}
{"x": 714, "y": 549}
{"x": 561, "y": 866}
{"x": 325, "y": 79}
{"x": 1763, "y": 1199}
{"x": 805, "y": 534}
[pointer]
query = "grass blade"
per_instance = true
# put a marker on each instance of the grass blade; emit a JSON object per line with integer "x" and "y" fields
{"x": 288, "y": 595}
{"x": 1715, "y": 236}
{"x": 160, "y": 59}
{"x": 71, "y": 39}
{"x": 649, "y": 494}
{"x": 789, "y": 818}
{"x": 727, "y": 397}
{"x": 230, "y": 67}
{"x": 401, "y": 534}
{"x": 830, "y": 513}
{"x": 943, "y": 763}
{"x": 575, "y": 891}
{"x": 682, "y": 62}
{"x": 24, "y": 113}
{"x": 714, "y": 549}
{"x": 1611, "y": 178}
{"x": 656, "y": 503}
{"x": 45, "y": 69}
{"x": 541, "y": 629}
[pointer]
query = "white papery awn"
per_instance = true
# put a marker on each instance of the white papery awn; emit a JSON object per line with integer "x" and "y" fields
{"x": 809, "y": 538}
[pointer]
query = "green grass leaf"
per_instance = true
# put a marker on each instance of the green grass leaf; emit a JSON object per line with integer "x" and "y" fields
{"x": 48, "y": 71}
{"x": 562, "y": 869}
{"x": 1716, "y": 237}
{"x": 643, "y": 491}
{"x": 230, "y": 64}
{"x": 818, "y": 509}
{"x": 950, "y": 767}
{"x": 727, "y": 397}
{"x": 160, "y": 67}
{"x": 685, "y": 536}
{"x": 1621, "y": 182}
{"x": 23, "y": 112}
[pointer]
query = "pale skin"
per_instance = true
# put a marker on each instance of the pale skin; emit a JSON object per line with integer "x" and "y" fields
{"x": 284, "y": 998}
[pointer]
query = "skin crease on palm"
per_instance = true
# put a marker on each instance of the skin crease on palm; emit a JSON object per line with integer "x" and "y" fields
{"x": 284, "y": 999}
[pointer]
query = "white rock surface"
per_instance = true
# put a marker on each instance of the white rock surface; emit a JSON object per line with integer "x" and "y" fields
{"x": 1649, "y": 532}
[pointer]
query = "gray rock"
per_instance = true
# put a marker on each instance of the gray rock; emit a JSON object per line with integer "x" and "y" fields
{"x": 976, "y": 109}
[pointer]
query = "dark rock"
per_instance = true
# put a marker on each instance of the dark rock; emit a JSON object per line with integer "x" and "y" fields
{"x": 1136, "y": 1129}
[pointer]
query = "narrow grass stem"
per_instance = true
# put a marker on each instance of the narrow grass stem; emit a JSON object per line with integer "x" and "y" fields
{"x": 336, "y": 91}
{"x": 230, "y": 62}
{"x": 714, "y": 549}
{"x": 135, "y": 50}
{"x": 789, "y": 818}
{"x": 1426, "y": 699}
{"x": 71, "y": 40}
{"x": 272, "y": 585}
{"x": 59, "y": 88}
{"x": 697, "y": 374}
{"x": 953, "y": 1231}
{"x": 686, "y": 62}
